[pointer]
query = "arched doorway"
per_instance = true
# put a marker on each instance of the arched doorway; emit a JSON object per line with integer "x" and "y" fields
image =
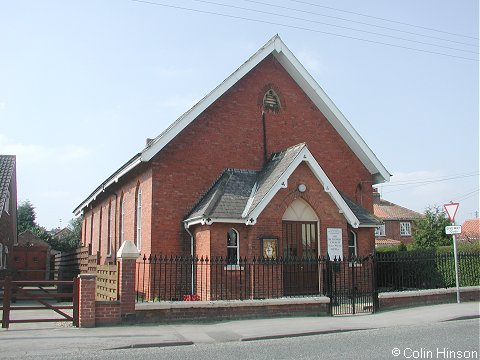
{"x": 300, "y": 249}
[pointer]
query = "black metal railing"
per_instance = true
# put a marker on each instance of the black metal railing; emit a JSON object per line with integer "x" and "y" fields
{"x": 176, "y": 278}
{"x": 400, "y": 271}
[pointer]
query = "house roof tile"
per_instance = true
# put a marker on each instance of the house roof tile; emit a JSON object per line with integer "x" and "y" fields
{"x": 7, "y": 167}
{"x": 387, "y": 210}
{"x": 471, "y": 229}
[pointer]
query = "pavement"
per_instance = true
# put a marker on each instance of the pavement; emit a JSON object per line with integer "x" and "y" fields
{"x": 58, "y": 337}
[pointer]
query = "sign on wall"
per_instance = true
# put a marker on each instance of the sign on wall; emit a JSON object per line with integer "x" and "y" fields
{"x": 334, "y": 243}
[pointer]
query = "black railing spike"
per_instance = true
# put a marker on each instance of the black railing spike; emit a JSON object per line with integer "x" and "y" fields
{"x": 144, "y": 258}
{"x": 155, "y": 259}
{"x": 150, "y": 258}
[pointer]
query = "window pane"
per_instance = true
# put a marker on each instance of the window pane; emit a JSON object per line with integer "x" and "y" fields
{"x": 231, "y": 238}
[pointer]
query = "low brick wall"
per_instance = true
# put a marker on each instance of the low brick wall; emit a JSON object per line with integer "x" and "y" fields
{"x": 223, "y": 310}
{"x": 107, "y": 312}
{"x": 403, "y": 299}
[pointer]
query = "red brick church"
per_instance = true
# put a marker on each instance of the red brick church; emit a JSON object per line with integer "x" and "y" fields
{"x": 264, "y": 165}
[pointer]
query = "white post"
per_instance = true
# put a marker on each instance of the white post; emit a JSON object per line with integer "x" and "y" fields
{"x": 456, "y": 267}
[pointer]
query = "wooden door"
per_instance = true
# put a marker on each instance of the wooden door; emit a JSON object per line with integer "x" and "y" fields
{"x": 300, "y": 251}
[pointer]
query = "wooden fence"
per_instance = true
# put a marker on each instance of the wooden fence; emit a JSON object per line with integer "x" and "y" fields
{"x": 67, "y": 265}
{"x": 107, "y": 282}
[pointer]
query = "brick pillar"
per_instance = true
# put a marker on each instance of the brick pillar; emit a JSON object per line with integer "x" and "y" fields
{"x": 127, "y": 256}
{"x": 86, "y": 305}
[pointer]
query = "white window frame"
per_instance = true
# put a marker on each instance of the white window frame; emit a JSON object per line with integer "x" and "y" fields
{"x": 354, "y": 246}
{"x": 233, "y": 247}
{"x": 7, "y": 202}
{"x": 405, "y": 228}
{"x": 139, "y": 219}
{"x": 380, "y": 230}
{"x": 1, "y": 256}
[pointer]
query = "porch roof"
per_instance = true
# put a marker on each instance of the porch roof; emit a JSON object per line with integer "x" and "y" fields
{"x": 239, "y": 196}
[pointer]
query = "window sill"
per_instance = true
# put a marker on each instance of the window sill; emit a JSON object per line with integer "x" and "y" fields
{"x": 233, "y": 268}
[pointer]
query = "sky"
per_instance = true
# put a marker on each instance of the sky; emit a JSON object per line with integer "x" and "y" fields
{"x": 84, "y": 83}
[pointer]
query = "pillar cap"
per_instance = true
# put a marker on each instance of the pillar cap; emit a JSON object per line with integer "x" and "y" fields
{"x": 128, "y": 250}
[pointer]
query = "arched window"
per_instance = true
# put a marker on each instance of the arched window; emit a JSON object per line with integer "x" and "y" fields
{"x": 7, "y": 202}
{"x": 138, "y": 211}
{"x": 352, "y": 244}
{"x": 3, "y": 256}
{"x": 109, "y": 229}
{"x": 122, "y": 219}
{"x": 232, "y": 246}
{"x": 91, "y": 233}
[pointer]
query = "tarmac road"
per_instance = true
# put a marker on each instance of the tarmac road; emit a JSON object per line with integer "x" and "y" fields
{"x": 454, "y": 326}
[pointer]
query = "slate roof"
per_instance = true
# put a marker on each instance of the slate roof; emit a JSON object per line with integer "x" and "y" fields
{"x": 7, "y": 167}
{"x": 236, "y": 193}
{"x": 271, "y": 173}
{"x": 387, "y": 210}
{"x": 363, "y": 215}
{"x": 227, "y": 197}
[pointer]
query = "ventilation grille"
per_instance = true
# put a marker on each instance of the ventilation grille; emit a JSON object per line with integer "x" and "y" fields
{"x": 271, "y": 101}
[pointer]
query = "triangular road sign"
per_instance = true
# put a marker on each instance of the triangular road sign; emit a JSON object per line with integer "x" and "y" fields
{"x": 451, "y": 210}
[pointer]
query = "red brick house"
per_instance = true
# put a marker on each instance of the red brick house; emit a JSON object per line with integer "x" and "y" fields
{"x": 398, "y": 222}
{"x": 265, "y": 164}
{"x": 8, "y": 209}
{"x": 31, "y": 257}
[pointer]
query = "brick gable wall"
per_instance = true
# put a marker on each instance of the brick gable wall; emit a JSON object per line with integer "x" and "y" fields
{"x": 229, "y": 134}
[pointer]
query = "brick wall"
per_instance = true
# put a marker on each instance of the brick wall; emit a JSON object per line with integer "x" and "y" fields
{"x": 107, "y": 312}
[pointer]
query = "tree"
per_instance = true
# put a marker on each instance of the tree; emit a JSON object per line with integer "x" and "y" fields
{"x": 26, "y": 220}
{"x": 429, "y": 231}
{"x": 71, "y": 239}
{"x": 26, "y": 216}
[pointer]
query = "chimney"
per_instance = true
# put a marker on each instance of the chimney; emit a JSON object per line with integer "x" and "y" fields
{"x": 376, "y": 196}
{"x": 148, "y": 142}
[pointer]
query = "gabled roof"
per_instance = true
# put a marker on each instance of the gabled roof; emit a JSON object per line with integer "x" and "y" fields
{"x": 239, "y": 196}
{"x": 387, "y": 210}
{"x": 7, "y": 167}
{"x": 305, "y": 81}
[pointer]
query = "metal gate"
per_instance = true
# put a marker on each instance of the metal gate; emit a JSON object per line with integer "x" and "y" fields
{"x": 351, "y": 286}
{"x": 43, "y": 292}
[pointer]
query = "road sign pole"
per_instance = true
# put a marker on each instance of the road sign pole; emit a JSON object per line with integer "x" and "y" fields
{"x": 456, "y": 268}
{"x": 451, "y": 210}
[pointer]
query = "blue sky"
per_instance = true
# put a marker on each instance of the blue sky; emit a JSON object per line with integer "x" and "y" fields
{"x": 84, "y": 83}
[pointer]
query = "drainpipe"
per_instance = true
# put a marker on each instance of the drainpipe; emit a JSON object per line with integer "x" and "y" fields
{"x": 192, "y": 253}
{"x": 264, "y": 139}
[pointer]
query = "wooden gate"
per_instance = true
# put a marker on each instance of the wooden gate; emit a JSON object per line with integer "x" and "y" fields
{"x": 43, "y": 292}
{"x": 350, "y": 284}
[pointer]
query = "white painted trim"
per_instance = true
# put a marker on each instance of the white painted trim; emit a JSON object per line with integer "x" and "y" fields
{"x": 203, "y": 221}
{"x": 306, "y": 155}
